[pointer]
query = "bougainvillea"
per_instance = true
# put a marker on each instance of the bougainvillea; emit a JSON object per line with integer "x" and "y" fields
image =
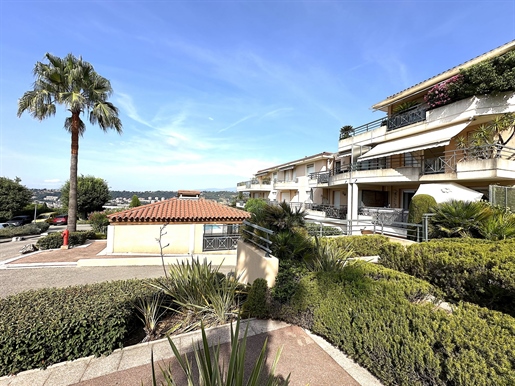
{"x": 443, "y": 92}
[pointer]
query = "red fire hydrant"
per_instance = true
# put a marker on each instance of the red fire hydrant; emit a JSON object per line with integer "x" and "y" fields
{"x": 66, "y": 235}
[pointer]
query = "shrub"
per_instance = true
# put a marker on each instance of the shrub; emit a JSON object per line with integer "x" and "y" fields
{"x": 257, "y": 303}
{"x": 481, "y": 272}
{"x": 43, "y": 327}
{"x": 419, "y": 205}
{"x": 317, "y": 230}
{"x": 24, "y": 230}
{"x": 328, "y": 257}
{"x": 360, "y": 245}
{"x": 55, "y": 240}
{"x": 458, "y": 218}
{"x": 201, "y": 293}
{"x": 378, "y": 317}
{"x": 98, "y": 221}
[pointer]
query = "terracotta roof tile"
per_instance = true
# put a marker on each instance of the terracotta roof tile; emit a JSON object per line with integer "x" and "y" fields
{"x": 176, "y": 210}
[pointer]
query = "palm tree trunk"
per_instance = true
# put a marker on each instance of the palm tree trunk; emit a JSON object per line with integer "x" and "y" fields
{"x": 72, "y": 199}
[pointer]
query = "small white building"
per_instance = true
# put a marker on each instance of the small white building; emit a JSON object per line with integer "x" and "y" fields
{"x": 192, "y": 225}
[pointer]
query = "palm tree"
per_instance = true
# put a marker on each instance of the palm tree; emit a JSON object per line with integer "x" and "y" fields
{"x": 71, "y": 82}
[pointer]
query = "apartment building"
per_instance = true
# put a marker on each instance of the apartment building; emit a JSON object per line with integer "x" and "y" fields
{"x": 290, "y": 182}
{"x": 437, "y": 131}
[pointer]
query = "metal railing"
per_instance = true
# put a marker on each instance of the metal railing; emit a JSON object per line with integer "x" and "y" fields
{"x": 407, "y": 117}
{"x": 248, "y": 184}
{"x": 220, "y": 242}
{"x": 383, "y": 215}
{"x": 257, "y": 235}
{"x": 339, "y": 212}
{"x": 447, "y": 162}
{"x": 365, "y": 128}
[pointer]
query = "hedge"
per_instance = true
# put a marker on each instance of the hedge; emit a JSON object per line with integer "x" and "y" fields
{"x": 24, "y": 230}
{"x": 55, "y": 240}
{"x": 360, "y": 245}
{"x": 43, "y": 327}
{"x": 481, "y": 272}
{"x": 375, "y": 315}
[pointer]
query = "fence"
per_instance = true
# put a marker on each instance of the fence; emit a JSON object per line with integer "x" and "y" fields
{"x": 503, "y": 196}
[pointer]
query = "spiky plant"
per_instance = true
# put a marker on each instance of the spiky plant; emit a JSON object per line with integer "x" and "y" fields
{"x": 458, "y": 218}
{"x": 213, "y": 371}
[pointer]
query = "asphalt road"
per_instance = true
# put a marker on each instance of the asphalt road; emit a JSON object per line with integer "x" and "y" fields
{"x": 13, "y": 281}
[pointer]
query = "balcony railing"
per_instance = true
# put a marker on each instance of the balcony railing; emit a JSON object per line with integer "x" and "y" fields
{"x": 385, "y": 216}
{"x": 248, "y": 184}
{"x": 407, "y": 117}
{"x": 366, "y": 127}
{"x": 447, "y": 162}
{"x": 331, "y": 211}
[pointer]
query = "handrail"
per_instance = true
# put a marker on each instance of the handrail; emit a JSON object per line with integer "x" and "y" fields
{"x": 252, "y": 235}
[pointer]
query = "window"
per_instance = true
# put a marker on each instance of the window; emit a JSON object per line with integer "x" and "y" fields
{"x": 310, "y": 169}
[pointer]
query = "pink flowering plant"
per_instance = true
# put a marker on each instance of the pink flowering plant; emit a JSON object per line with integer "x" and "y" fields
{"x": 444, "y": 92}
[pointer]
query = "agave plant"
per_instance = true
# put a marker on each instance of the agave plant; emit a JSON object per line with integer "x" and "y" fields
{"x": 212, "y": 371}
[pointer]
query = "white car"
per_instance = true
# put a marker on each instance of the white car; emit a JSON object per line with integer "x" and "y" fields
{"x": 4, "y": 225}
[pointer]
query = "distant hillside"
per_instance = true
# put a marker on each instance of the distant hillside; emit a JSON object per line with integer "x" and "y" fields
{"x": 223, "y": 196}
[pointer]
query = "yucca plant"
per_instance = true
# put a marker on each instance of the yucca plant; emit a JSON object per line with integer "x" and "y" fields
{"x": 150, "y": 311}
{"x": 328, "y": 257}
{"x": 201, "y": 293}
{"x": 212, "y": 371}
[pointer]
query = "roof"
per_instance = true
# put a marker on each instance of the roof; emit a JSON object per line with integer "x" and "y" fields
{"x": 426, "y": 84}
{"x": 306, "y": 159}
{"x": 188, "y": 193}
{"x": 176, "y": 210}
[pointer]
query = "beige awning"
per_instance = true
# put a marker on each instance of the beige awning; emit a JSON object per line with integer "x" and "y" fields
{"x": 427, "y": 140}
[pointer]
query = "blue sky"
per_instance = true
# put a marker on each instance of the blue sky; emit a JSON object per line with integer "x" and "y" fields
{"x": 209, "y": 92}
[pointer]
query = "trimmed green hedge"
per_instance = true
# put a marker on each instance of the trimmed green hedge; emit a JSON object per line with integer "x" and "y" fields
{"x": 24, "y": 230}
{"x": 374, "y": 314}
{"x": 55, "y": 240}
{"x": 479, "y": 271}
{"x": 360, "y": 245}
{"x": 43, "y": 327}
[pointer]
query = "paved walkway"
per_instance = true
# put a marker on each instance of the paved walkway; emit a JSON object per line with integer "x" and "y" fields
{"x": 308, "y": 358}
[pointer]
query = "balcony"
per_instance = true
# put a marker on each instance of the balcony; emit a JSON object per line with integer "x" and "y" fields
{"x": 286, "y": 184}
{"x": 407, "y": 117}
{"x": 331, "y": 211}
{"x": 254, "y": 185}
{"x": 475, "y": 162}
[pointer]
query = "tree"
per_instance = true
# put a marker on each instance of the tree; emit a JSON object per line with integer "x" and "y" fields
{"x": 92, "y": 194}
{"x": 135, "y": 202}
{"x": 73, "y": 83}
{"x": 13, "y": 197}
{"x": 488, "y": 140}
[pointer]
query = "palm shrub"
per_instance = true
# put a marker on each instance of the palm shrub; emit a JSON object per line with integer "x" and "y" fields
{"x": 500, "y": 225}
{"x": 458, "y": 218}
{"x": 212, "y": 370}
{"x": 419, "y": 205}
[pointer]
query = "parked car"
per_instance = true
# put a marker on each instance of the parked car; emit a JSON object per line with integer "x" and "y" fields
{"x": 19, "y": 220}
{"x": 5, "y": 225}
{"x": 61, "y": 219}
{"x": 45, "y": 217}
